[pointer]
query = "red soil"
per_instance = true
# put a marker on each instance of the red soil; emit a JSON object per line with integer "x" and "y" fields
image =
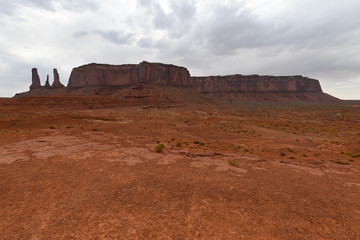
{"x": 86, "y": 168}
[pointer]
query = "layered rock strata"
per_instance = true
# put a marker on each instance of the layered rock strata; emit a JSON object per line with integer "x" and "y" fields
{"x": 129, "y": 74}
{"x": 162, "y": 74}
{"x": 105, "y": 75}
{"x": 254, "y": 83}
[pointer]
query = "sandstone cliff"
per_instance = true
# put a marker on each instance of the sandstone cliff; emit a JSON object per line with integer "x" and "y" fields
{"x": 254, "y": 83}
{"x": 105, "y": 75}
{"x": 129, "y": 74}
{"x": 110, "y": 76}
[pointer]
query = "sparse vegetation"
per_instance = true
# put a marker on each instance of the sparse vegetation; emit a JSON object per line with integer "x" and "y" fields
{"x": 339, "y": 161}
{"x": 290, "y": 150}
{"x": 354, "y": 155}
{"x": 159, "y": 148}
{"x": 233, "y": 162}
{"x": 200, "y": 143}
{"x": 95, "y": 129}
{"x": 53, "y": 127}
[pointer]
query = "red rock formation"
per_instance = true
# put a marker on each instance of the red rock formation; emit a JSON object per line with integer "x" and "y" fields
{"x": 254, "y": 83}
{"x": 129, "y": 74}
{"x": 47, "y": 84}
{"x": 56, "y": 83}
{"x": 105, "y": 75}
{"x": 164, "y": 74}
{"x": 35, "y": 79}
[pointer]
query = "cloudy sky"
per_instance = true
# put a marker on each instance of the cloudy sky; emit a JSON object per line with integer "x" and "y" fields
{"x": 319, "y": 39}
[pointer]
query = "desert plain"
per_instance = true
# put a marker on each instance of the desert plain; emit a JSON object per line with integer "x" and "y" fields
{"x": 93, "y": 167}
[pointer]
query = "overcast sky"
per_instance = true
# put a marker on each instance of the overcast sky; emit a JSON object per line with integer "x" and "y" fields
{"x": 318, "y": 39}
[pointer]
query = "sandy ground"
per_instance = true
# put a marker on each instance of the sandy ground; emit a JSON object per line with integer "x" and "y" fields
{"x": 252, "y": 171}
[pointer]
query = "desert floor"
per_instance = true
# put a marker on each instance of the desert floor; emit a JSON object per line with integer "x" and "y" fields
{"x": 80, "y": 170}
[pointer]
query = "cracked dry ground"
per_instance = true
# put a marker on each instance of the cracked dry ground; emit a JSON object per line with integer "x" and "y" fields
{"x": 275, "y": 171}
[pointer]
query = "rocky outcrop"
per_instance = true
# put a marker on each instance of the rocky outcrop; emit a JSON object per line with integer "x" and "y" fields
{"x": 254, "y": 83}
{"x": 47, "y": 84}
{"x": 56, "y": 83}
{"x": 108, "y": 76}
{"x": 129, "y": 74}
{"x": 35, "y": 79}
{"x": 163, "y": 74}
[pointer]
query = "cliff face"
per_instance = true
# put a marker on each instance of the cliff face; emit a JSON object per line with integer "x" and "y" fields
{"x": 130, "y": 74}
{"x": 104, "y": 75}
{"x": 254, "y": 83}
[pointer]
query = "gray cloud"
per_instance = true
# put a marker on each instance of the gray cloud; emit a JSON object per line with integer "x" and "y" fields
{"x": 233, "y": 27}
{"x": 8, "y": 7}
{"x": 115, "y": 37}
{"x": 176, "y": 22}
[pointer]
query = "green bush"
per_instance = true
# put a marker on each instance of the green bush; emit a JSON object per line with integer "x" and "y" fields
{"x": 159, "y": 148}
{"x": 234, "y": 162}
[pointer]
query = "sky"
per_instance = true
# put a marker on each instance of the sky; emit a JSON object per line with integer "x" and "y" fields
{"x": 318, "y": 39}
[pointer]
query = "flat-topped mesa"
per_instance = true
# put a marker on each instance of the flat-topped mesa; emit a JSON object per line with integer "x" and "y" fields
{"x": 129, "y": 74}
{"x": 56, "y": 83}
{"x": 254, "y": 83}
{"x": 35, "y": 79}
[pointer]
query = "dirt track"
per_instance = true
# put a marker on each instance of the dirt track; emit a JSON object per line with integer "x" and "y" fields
{"x": 255, "y": 171}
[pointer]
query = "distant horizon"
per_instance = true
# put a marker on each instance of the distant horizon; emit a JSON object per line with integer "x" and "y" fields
{"x": 51, "y": 78}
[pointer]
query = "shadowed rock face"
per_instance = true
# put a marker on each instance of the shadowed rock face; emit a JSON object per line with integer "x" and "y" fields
{"x": 56, "y": 83}
{"x": 129, "y": 74}
{"x": 35, "y": 79}
{"x": 254, "y": 83}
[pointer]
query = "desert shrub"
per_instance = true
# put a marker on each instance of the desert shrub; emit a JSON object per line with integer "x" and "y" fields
{"x": 234, "y": 162}
{"x": 282, "y": 154}
{"x": 200, "y": 143}
{"x": 355, "y": 155}
{"x": 290, "y": 150}
{"x": 338, "y": 161}
{"x": 95, "y": 129}
{"x": 159, "y": 148}
{"x": 52, "y": 127}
